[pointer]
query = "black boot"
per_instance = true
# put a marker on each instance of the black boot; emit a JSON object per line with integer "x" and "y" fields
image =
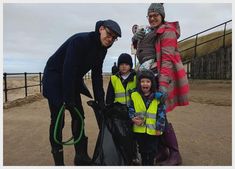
{"x": 151, "y": 158}
{"x": 147, "y": 159}
{"x": 171, "y": 142}
{"x": 81, "y": 156}
{"x": 58, "y": 156}
{"x": 162, "y": 153}
{"x": 144, "y": 159}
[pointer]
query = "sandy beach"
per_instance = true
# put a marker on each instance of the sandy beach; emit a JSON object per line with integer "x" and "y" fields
{"x": 204, "y": 128}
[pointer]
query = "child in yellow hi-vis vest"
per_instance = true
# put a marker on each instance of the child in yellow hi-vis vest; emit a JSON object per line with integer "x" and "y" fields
{"x": 117, "y": 99}
{"x": 147, "y": 115}
{"x": 121, "y": 82}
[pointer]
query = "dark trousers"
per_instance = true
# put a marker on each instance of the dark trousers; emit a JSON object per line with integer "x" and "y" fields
{"x": 147, "y": 147}
{"x": 75, "y": 124}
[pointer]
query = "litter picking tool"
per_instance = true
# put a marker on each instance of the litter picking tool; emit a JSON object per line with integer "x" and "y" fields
{"x": 69, "y": 141}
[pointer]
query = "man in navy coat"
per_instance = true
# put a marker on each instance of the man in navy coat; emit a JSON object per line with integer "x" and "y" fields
{"x": 63, "y": 81}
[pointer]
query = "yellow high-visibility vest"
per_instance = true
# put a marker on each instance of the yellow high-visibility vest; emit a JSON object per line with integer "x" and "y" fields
{"x": 121, "y": 95}
{"x": 149, "y": 115}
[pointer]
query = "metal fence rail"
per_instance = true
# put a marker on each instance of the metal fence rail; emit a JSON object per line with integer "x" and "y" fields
{"x": 191, "y": 64}
{"x": 25, "y": 75}
{"x": 26, "y": 85}
{"x": 197, "y": 35}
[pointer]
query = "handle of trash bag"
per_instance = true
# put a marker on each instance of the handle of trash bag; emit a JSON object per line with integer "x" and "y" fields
{"x": 68, "y": 142}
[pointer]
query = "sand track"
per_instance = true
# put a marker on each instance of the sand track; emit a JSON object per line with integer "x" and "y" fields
{"x": 204, "y": 128}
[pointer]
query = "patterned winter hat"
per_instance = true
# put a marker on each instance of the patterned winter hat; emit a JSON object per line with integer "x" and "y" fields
{"x": 157, "y": 7}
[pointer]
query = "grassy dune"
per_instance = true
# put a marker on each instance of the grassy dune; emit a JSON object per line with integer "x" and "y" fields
{"x": 205, "y": 48}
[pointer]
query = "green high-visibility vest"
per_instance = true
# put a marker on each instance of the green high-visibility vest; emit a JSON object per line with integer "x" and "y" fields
{"x": 121, "y": 94}
{"x": 149, "y": 115}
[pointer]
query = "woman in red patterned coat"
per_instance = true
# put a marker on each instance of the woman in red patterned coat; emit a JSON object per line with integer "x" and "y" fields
{"x": 173, "y": 83}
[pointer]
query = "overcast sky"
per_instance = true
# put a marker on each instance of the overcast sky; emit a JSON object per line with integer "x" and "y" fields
{"x": 33, "y": 32}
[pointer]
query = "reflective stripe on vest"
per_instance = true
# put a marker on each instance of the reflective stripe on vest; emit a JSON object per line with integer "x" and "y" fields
{"x": 148, "y": 115}
{"x": 122, "y": 95}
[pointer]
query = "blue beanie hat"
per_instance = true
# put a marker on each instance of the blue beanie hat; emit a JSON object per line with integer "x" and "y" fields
{"x": 125, "y": 58}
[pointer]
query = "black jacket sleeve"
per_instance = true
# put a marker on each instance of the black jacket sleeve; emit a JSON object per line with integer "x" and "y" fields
{"x": 70, "y": 73}
{"x": 97, "y": 79}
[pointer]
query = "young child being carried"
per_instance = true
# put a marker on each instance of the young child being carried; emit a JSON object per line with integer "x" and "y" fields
{"x": 144, "y": 43}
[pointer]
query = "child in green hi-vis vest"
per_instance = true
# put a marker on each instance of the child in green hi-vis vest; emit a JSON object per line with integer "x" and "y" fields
{"x": 121, "y": 82}
{"x": 118, "y": 97}
{"x": 148, "y": 120}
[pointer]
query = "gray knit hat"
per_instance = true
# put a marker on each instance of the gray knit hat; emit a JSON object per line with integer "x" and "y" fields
{"x": 157, "y": 7}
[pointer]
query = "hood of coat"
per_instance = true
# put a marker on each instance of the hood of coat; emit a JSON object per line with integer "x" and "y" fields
{"x": 149, "y": 75}
{"x": 97, "y": 33}
{"x": 170, "y": 26}
{"x": 97, "y": 25}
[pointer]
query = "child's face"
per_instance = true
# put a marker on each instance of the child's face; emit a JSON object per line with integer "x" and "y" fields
{"x": 145, "y": 85}
{"x": 124, "y": 68}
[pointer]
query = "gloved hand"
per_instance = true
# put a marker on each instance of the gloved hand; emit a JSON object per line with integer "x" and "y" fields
{"x": 139, "y": 35}
{"x": 101, "y": 105}
{"x": 161, "y": 97}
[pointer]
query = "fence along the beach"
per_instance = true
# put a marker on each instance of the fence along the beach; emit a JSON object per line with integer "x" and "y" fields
{"x": 25, "y": 77}
{"x": 26, "y": 85}
{"x": 209, "y": 56}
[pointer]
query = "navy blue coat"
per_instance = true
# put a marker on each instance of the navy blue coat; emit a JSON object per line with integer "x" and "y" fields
{"x": 64, "y": 71}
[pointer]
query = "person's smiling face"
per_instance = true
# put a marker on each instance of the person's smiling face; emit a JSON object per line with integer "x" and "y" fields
{"x": 145, "y": 85}
{"x": 155, "y": 19}
{"x": 107, "y": 36}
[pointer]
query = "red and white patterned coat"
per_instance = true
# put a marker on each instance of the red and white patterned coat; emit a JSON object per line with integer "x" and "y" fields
{"x": 172, "y": 79}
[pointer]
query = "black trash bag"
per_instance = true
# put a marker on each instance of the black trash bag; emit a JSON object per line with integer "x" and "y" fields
{"x": 115, "y": 145}
{"x": 120, "y": 125}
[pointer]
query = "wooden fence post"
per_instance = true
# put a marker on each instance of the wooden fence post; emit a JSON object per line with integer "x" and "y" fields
{"x": 25, "y": 84}
{"x": 5, "y": 85}
{"x": 40, "y": 82}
